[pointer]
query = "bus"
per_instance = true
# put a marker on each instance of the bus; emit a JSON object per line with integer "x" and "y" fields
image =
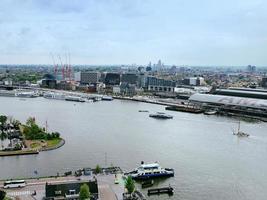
{"x": 14, "y": 184}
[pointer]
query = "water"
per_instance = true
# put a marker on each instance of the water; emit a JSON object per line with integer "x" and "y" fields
{"x": 209, "y": 162}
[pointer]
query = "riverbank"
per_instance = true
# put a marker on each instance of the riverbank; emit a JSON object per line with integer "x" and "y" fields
{"x": 18, "y": 153}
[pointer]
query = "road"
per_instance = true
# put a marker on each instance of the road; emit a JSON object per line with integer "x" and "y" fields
{"x": 107, "y": 189}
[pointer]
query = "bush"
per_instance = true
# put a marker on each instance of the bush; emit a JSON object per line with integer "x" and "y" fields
{"x": 129, "y": 184}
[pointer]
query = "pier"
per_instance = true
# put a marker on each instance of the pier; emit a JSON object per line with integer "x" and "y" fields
{"x": 163, "y": 190}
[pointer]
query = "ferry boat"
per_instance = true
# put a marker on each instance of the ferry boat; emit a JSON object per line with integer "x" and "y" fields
{"x": 53, "y": 95}
{"x": 147, "y": 171}
{"x": 26, "y": 94}
{"x": 74, "y": 98}
{"x": 161, "y": 115}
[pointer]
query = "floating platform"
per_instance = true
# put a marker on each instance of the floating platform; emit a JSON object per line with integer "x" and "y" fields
{"x": 164, "y": 190}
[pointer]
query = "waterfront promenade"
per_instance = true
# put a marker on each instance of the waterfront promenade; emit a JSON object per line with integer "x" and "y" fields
{"x": 108, "y": 190}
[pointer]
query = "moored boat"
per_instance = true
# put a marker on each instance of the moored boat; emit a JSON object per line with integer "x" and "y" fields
{"x": 107, "y": 98}
{"x": 148, "y": 171}
{"x": 240, "y": 133}
{"x": 74, "y": 98}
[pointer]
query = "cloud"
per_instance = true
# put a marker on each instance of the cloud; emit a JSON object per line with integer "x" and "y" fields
{"x": 126, "y": 31}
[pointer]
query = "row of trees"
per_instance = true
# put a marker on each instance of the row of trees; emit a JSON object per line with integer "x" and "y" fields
{"x": 5, "y": 125}
{"x": 33, "y": 132}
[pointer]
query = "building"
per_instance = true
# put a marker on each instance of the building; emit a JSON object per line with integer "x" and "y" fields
{"x": 242, "y": 93}
{"x": 69, "y": 190}
{"x": 112, "y": 79}
{"x": 129, "y": 78}
{"x": 87, "y": 77}
{"x": 127, "y": 89}
{"x": 141, "y": 80}
{"x": 159, "y": 85}
{"x": 49, "y": 81}
{"x": 240, "y": 105}
{"x": 264, "y": 82}
{"x": 194, "y": 81}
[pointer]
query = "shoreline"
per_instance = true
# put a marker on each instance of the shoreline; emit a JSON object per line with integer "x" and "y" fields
{"x": 32, "y": 151}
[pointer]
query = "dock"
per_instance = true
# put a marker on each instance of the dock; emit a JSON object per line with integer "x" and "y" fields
{"x": 163, "y": 190}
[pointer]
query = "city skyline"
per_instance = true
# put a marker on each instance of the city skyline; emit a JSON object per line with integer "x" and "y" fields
{"x": 126, "y": 32}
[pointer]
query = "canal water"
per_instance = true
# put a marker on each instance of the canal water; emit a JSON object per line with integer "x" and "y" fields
{"x": 210, "y": 163}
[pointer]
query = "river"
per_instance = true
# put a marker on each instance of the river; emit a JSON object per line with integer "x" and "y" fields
{"x": 209, "y": 162}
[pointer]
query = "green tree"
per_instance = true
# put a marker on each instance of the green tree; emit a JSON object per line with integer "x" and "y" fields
{"x": 2, "y": 194}
{"x": 30, "y": 121}
{"x": 3, "y": 136}
{"x": 129, "y": 184}
{"x": 84, "y": 192}
{"x": 3, "y": 119}
{"x": 97, "y": 169}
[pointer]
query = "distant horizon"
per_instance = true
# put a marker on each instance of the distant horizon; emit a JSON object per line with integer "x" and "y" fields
{"x": 132, "y": 65}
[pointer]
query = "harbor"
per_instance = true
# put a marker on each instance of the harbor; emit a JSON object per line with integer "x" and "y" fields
{"x": 200, "y": 148}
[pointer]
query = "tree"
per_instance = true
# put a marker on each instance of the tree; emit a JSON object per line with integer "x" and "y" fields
{"x": 2, "y": 194}
{"x": 30, "y": 121}
{"x": 129, "y": 184}
{"x": 3, "y": 136}
{"x": 84, "y": 192}
{"x": 3, "y": 119}
{"x": 97, "y": 169}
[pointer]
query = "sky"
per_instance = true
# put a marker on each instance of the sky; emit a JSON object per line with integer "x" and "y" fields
{"x": 96, "y": 32}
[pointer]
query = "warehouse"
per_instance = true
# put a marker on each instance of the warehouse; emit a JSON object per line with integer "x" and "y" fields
{"x": 229, "y": 104}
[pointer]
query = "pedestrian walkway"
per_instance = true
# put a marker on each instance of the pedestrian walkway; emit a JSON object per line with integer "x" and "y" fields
{"x": 106, "y": 193}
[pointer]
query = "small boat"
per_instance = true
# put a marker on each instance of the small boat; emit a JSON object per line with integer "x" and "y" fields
{"x": 210, "y": 112}
{"x": 147, "y": 183}
{"x": 148, "y": 171}
{"x": 240, "y": 133}
{"x": 160, "y": 115}
{"x": 107, "y": 98}
{"x": 143, "y": 111}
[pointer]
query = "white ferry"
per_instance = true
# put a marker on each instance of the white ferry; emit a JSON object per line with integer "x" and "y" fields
{"x": 74, "y": 98}
{"x": 54, "y": 95}
{"x": 147, "y": 171}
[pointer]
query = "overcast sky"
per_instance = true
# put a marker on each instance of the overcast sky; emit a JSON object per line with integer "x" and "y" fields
{"x": 180, "y": 32}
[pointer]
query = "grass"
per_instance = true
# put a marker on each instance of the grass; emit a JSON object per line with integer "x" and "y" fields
{"x": 53, "y": 142}
{"x": 35, "y": 145}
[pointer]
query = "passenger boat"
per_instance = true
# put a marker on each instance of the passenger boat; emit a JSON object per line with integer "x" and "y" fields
{"x": 74, "y": 98}
{"x": 147, "y": 171}
{"x": 53, "y": 95}
{"x": 160, "y": 115}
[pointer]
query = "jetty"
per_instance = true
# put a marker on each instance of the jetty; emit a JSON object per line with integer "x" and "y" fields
{"x": 163, "y": 190}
